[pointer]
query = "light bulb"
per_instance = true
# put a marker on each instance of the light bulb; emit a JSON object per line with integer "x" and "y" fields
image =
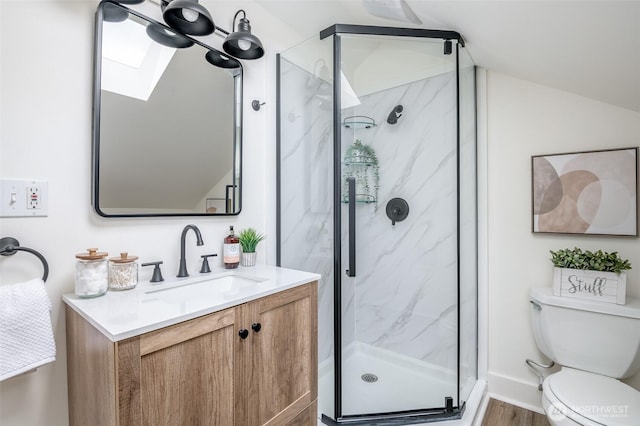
{"x": 190, "y": 15}
{"x": 244, "y": 44}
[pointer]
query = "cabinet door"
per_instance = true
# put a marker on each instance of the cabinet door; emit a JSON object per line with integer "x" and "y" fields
{"x": 308, "y": 416}
{"x": 283, "y": 359}
{"x": 180, "y": 375}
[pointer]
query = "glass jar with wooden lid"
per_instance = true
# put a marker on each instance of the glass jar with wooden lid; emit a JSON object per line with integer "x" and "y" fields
{"x": 123, "y": 272}
{"x": 91, "y": 273}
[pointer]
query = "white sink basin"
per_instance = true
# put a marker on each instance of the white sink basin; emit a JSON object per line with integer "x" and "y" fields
{"x": 227, "y": 285}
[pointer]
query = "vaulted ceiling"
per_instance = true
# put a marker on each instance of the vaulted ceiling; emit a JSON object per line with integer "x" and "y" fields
{"x": 590, "y": 48}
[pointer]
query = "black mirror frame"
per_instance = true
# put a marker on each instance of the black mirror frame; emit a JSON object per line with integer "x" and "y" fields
{"x": 95, "y": 130}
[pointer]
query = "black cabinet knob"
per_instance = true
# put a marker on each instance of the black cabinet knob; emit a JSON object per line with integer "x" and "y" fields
{"x": 256, "y": 326}
{"x": 243, "y": 333}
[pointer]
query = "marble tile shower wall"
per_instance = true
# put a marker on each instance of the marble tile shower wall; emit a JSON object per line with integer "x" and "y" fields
{"x": 406, "y": 288}
{"x": 404, "y": 297}
{"x": 307, "y": 202}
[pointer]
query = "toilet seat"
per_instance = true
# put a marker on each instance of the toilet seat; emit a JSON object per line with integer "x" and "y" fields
{"x": 591, "y": 399}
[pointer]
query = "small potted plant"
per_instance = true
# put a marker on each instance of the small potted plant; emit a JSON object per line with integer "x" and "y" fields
{"x": 590, "y": 275}
{"x": 249, "y": 239}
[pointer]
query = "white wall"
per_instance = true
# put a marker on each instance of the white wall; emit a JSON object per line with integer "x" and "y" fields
{"x": 45, "y": 119}
{"x": 45, "y": 86}
{"x": 526, "y": 119}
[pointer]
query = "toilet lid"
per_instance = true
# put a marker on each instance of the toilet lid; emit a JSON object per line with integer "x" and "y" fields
{"x": 598, "y": 398}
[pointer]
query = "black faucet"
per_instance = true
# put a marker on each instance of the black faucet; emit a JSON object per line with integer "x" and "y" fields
{"x": 182, "y": 271}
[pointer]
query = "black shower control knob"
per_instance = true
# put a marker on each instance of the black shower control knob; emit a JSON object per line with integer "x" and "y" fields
{"x": 397, "y": 210}
{"x": 243, "y": 333}
{"x": 256, "y": 326}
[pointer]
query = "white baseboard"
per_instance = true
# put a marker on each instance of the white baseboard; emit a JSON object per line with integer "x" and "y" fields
{"x": 515, "y": 392}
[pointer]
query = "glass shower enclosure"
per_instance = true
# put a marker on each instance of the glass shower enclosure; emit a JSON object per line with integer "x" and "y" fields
{"x": 377, "y": 192}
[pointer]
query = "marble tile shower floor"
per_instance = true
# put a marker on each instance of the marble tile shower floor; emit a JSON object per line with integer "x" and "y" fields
{"x": 400, "y": 383}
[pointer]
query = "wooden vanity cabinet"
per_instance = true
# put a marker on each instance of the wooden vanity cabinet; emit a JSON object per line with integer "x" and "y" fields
{"x": 250, "y": 365}
{"x": 281, "y": 357}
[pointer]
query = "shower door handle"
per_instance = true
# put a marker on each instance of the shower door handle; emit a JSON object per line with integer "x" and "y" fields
{"x": 351, "y": 182}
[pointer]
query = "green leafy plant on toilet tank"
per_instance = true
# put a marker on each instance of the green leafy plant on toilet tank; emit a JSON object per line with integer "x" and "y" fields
{"x": 577, "y": 258}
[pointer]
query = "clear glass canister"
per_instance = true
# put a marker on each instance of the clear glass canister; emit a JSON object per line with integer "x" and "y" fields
{"x": 91, "y": 273}
{"x": 123, "y": 272}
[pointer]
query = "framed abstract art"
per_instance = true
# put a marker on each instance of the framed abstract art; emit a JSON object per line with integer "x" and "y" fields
{"x": 592, "y": 192}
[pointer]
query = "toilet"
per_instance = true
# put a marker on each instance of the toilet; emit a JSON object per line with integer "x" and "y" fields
{"x": 596, "y": 344}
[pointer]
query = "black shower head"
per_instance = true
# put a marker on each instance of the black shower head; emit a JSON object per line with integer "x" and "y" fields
{"x": 395, "y": 114}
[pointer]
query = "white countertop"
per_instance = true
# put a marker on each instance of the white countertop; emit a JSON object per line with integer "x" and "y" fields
{"x": 150, "y": 306}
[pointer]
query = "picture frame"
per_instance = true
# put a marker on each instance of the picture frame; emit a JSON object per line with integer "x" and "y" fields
{"x": 588, "y": 192}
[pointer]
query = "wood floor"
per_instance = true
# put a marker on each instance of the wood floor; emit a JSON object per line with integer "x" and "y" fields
{"x": 502, "y": 414}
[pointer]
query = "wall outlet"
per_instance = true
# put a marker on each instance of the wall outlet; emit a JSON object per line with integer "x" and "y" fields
{"x": 33, "y": 197}
{"x": 23, "y": 198}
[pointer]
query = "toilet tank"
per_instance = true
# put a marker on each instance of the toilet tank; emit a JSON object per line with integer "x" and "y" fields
{"x": 602, "y": 338}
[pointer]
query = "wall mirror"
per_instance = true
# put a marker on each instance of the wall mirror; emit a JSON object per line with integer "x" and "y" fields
{"x": 167, "y": 121}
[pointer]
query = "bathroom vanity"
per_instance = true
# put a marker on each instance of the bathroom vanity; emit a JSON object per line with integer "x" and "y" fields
{"x": 227, "y": 348}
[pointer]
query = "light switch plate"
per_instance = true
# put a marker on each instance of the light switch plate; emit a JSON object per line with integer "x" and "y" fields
{"x": 23, "y": 198}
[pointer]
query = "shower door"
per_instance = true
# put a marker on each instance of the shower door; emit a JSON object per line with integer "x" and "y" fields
{"x": 398, "y": 198}
{"x": 376, "y": 192}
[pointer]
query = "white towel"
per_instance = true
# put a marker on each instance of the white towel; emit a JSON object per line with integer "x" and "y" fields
{"x": 26, "y": 334}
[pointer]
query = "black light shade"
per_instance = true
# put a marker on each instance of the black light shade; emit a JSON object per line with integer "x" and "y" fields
{"x": 114, "y": 13}
{"x": 242, "y": 44}
{"x": 167, "y": 38}
{"x": 219, "y": 60}
{"x": 188, "y": 17}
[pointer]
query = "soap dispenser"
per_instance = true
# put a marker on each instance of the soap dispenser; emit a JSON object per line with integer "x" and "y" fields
{"x": 231, "y": 252}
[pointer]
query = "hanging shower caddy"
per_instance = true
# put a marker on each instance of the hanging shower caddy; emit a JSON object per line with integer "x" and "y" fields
{"x": 360, "y": 162}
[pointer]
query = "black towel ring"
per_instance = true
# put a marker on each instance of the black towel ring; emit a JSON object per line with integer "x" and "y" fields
{"x": 9, "y": 246}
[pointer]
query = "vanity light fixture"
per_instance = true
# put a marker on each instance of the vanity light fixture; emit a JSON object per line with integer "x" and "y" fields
{"x": 188, "y": 17}
{"x": 241, "y": 43}
{"x": 167, "y": 38}
{"x": 222, "y": 61}
{"x": 113, "y": 13}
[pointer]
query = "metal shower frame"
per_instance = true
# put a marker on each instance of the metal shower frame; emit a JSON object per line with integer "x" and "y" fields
{"x": 449, "y": 411}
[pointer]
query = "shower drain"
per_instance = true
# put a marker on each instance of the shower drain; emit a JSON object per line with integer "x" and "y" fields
{"x": 369, "y": 378}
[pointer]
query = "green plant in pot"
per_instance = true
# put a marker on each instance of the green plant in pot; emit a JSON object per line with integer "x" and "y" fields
{"x": 584, "y": 259}
{"x": 590, "y": 275}
{"x": 249, "y": 239}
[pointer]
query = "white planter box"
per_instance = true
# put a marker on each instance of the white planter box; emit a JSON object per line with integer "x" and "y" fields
{"x": 590, "y": 285}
